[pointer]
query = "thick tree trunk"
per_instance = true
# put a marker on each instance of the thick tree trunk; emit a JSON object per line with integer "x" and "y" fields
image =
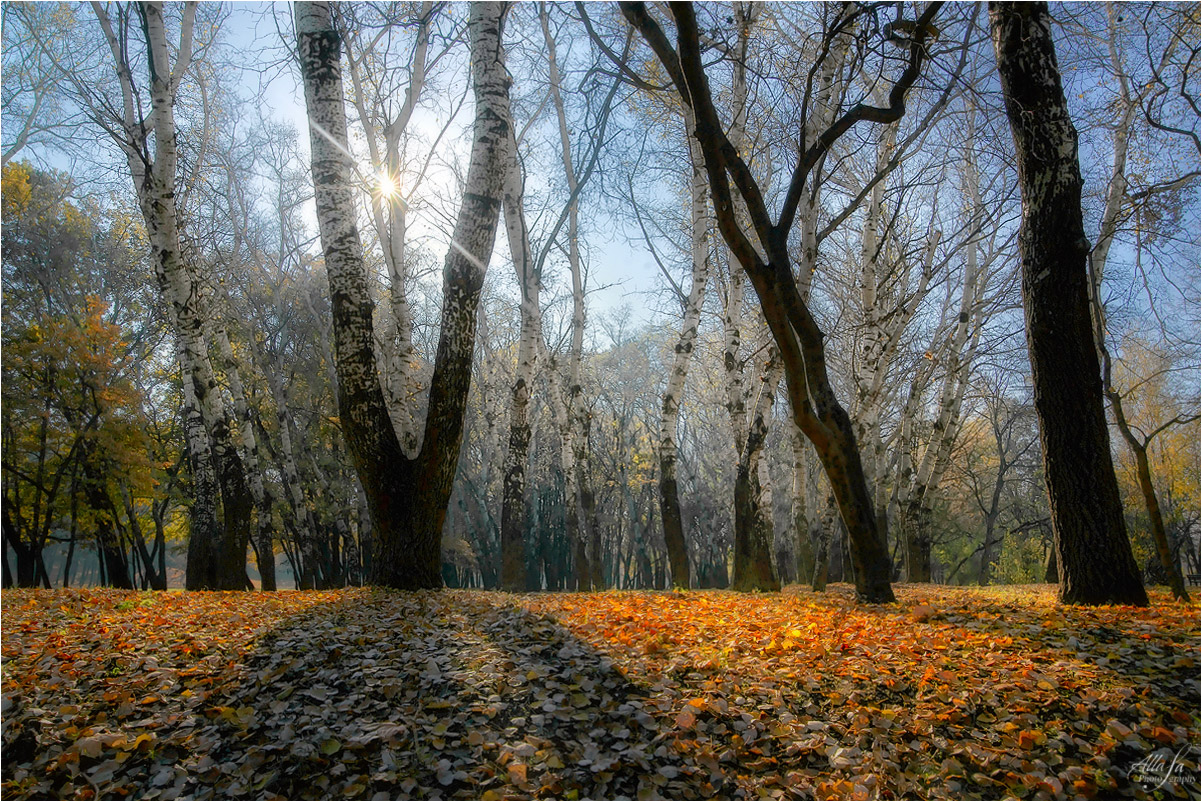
{"x": 1095, "y": 559}
{"x": 407, "y": 497}
{"x": 753, "y": 569}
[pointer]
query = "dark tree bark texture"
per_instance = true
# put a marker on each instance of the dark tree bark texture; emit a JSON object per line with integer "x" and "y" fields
{"x": 1095, "y": 559}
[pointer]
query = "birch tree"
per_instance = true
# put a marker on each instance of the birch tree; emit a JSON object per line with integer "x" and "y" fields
{"x": 513, "y": 508}
{"x": 754, "y": 533}
{"x": 669, "y": 493}
{"x": 147, "y": 140}
{"x": 407, "y": 496}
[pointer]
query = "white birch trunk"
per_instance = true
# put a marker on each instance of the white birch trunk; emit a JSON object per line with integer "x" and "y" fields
{"x": 575, "y": 424}
{"x": 218, "y": 558}
{"x": 513, "y": 547}
{"x": 669, "y": 498}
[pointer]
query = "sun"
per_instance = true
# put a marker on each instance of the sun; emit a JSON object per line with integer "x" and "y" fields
{"x": 387, "y": 186}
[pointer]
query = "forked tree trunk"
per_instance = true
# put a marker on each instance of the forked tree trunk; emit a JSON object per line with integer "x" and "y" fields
{"x": 407, "y": 497}
{"x": 216, "y": 551}
{"x": 768, "y": 263}
{"x": 1095, "y": 560}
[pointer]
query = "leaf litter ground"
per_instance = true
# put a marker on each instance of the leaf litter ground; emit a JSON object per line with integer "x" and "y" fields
{"x": 360, "y": 693}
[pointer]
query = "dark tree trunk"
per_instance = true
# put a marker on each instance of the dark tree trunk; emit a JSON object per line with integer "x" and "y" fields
{"x": 583, "y": 572}
{"x": 203, "y": 529}
{"x": 25, "y": 554}
{"x": 916, "y": 526}
{"x": 236, "y": 508}
{"x": 821, "y": 562}
{"x": 815, "y": 407}
{"x": 513, "y": 503}
{"x": 1090, "y": 536}
{"x": 669, "y": 510}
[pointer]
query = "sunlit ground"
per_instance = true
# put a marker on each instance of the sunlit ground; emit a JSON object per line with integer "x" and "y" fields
{"x": 951, "y": 692}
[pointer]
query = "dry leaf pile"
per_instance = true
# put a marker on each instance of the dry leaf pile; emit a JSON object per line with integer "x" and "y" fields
{"x": 461, "y": 694}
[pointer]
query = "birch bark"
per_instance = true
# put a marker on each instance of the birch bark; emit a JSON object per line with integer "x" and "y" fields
{"x": 407, "y": 496}
{"x": 513, "y": 506}
{"x": 754, "y": 536}
{"x": 669, "y": 495}
{"x": 217, "y": 559}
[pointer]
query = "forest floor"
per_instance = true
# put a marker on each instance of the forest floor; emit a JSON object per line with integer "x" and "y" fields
{"x": 361, "y": 693}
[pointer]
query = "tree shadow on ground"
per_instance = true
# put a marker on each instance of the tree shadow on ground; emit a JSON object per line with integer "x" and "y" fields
{"x": 451, "y": 694}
